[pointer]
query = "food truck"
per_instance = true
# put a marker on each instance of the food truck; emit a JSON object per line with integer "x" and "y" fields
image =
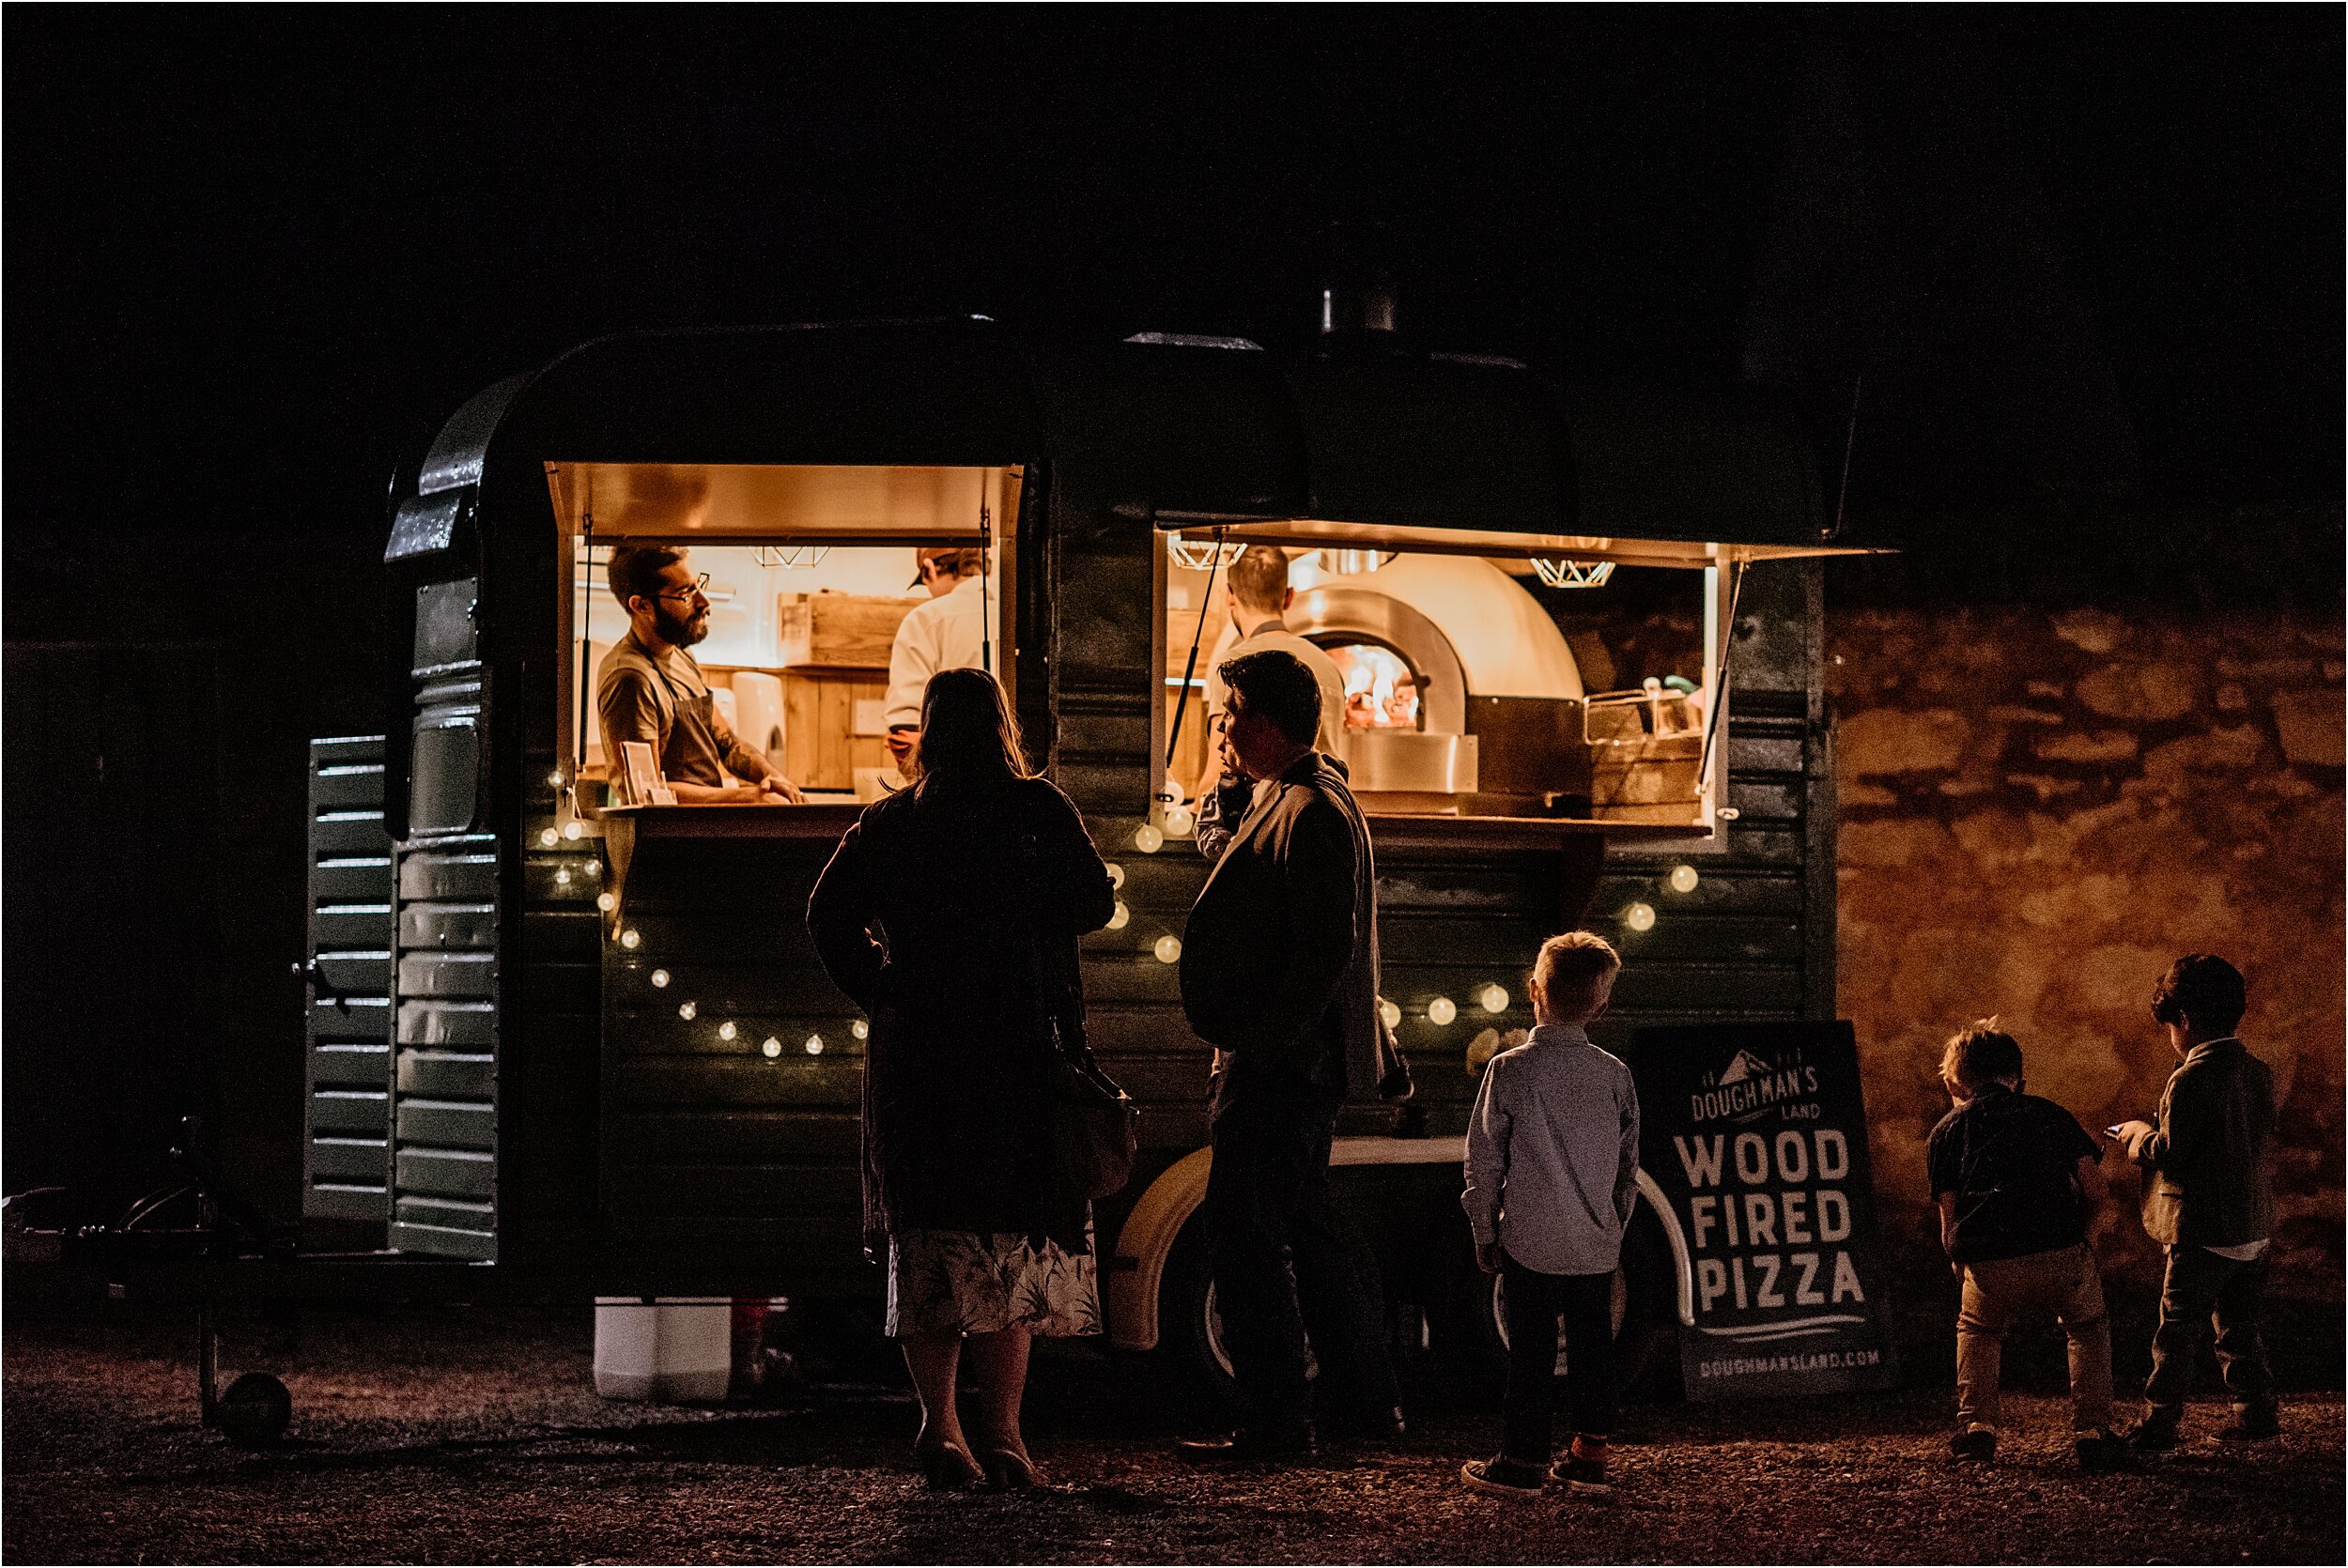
{"x": 557, "y": 1024}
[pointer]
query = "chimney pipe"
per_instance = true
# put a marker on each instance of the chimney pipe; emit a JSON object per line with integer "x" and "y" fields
{"x": 1357, "y": 288}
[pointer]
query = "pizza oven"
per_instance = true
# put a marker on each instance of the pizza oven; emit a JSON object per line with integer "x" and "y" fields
{"x": 1463, "y": 698}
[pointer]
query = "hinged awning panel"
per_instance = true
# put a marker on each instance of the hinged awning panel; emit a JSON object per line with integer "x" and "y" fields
{"x": 742, "y": 502}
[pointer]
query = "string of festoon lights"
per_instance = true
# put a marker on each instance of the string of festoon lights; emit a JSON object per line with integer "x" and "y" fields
{"x": 1490, "y": 996}
{"x": 729, "y": 1030}
{"x": 629, "y": 939}
{"x": 1639, "y": 914}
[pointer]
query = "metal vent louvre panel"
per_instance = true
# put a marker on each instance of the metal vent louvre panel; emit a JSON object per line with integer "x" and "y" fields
{"x": 444, "y": 1042}
{"x": 345, "y": 1161}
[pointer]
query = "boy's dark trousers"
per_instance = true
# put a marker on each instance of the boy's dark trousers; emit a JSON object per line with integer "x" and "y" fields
{"x": 2200, "y": 1286}
{"x": 1535, "y": 1302}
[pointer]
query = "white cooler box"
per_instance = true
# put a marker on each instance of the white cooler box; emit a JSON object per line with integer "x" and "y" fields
{"x": 671, "y": 1349}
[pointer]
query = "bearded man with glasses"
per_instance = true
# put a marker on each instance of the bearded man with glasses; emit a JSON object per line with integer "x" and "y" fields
{"x": 650, "y": 689}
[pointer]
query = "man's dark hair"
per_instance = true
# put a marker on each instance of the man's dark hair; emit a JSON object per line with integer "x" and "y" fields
{"x": 635, "y": 569}
{"x": 961, "y": 562}
{"x": 2204, "y": 988}
{"x": 1279, "y": 685}
{"x": 1981, "y": 1053}
{"x": 1259, "y": 576}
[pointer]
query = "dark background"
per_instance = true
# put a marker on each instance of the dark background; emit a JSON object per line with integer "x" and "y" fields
{"x": 2088, "y": 262}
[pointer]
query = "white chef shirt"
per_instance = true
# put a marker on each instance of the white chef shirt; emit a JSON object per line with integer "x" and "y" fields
{"x": 942, "y": 634}
{"x": 1271, "y": 633}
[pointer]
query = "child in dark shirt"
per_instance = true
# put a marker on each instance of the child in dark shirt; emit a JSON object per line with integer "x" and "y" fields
{"x": 2015, "y": 1178}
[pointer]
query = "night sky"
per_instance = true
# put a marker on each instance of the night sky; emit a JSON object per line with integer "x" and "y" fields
{"x": 2094, "y": 251}
{"x": 2087, "y": 262}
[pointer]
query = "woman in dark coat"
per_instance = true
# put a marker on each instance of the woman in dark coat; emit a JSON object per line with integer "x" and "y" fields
{"x": 949, "y": 914}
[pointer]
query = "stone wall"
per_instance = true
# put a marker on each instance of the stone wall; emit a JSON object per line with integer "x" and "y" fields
{"x": 2039, "y": 811}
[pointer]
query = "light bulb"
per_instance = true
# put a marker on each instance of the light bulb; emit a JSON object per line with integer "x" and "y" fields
{"x": 562, "y": 877}
{"x": 1441, "y": 1010}
{"x": 555, "y": 779}
{"x": 660, "y": 976}
{"x": 1178, "y": 820}
{"x": 1683, "y": 879}
{"x": 629, "y": 939}
{"x": 813, "y": 1045}
{"x": 1148, "y": 840}
{"x": 572, "y": 830}
{"x": 726, "y": 1031}
{"x": 1119, "y": 916}
{"x": 861, "y": 1029}
{"x": 1169, "y": 948}
{"x": 687, "y": 1009}
{"x": 549, "y": 837}
{"x": 770, "y": 1047}
{"x": 1392, "y": 1014}
{"x": 607, "y": 902}
{"x": 1640, "y": 917}
{"x": 1492, "y": 999}
{"x": 1117, "y": 874}
{"x": 592, "y": 867}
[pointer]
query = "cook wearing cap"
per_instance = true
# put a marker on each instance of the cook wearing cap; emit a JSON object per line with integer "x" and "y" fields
{"x": 947, "y": 633}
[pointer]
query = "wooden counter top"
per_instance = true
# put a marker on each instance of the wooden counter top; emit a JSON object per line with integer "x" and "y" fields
{"x": 1439, "y": 830}
{"x": 818, "y": 819}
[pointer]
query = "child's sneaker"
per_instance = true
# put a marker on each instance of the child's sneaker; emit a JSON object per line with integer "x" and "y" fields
{"x": 1582, "y": 1468}
{"x": 1976, "y": 1443}
{"x": 1501, "y": 1477}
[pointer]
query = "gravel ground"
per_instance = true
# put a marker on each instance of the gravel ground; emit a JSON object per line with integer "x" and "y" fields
{"x": 452, "y": 1434}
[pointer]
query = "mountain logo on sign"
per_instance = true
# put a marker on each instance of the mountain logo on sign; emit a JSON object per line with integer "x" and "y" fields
{"x": 1746, "y": 1065}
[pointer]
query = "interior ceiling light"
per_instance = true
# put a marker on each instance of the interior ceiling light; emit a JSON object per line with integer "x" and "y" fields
{"x": 1355, "y": 563}
{"x": 790, "y": 558}
{"x": 1558, "y": 573}
{"x": 1199, "y": 555}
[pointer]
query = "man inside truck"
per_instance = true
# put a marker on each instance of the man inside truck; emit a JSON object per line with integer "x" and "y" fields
{"x": 650, "y": 689}
{"x": 1256, "y": 595}
{"x": 947, "y": 633}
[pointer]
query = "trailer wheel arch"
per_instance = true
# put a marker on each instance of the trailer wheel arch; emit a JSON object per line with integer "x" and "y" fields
{"x": 1137, "y": 1268}
{"x": 1138, "y": 1262}
{"x": 1683, "y": 1269}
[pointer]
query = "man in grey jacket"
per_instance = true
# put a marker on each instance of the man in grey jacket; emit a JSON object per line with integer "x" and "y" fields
{"x": 1279, "y": 973}
{"x": 2209, "y": 1198}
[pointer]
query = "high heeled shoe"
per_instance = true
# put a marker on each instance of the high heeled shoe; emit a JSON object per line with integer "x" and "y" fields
{"x": 949, "y": 1467}
{"x": 1007, "y": 1471}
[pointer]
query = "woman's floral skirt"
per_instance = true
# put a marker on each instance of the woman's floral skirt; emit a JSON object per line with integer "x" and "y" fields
{"x": 949, "y": 1282}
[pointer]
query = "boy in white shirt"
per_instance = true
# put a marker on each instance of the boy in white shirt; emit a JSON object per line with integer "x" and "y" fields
{"x": 1553, "y": 1167}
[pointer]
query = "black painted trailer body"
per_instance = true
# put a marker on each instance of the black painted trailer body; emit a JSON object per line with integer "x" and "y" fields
{"x": 539, "y": 1113}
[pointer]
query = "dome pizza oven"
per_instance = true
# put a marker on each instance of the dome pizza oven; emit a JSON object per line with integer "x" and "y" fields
{"x": 1463, "y": 696}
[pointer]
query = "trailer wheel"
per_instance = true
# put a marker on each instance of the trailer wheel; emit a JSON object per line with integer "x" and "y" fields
{"x": 255, "y": 1411}
{"x": 1190, "y": 1330}
{"x": 1641, "y": 1308}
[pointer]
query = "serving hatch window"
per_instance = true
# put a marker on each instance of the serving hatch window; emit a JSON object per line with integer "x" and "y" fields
{"x": 1502, "y": 687}
{"x": 810, "y": 570}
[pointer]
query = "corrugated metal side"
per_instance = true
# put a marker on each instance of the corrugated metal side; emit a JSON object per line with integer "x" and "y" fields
{"x": 444, "y": 1054}
{"x": 445, "y": 950}
{"x": 347, "y": 1031}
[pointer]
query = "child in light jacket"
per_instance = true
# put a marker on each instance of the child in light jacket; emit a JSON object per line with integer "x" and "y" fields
{"x": 1552, "y": 1166}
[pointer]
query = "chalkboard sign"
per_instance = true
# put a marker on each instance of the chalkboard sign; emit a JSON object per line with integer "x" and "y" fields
{"x": 1758, "y": 1137}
